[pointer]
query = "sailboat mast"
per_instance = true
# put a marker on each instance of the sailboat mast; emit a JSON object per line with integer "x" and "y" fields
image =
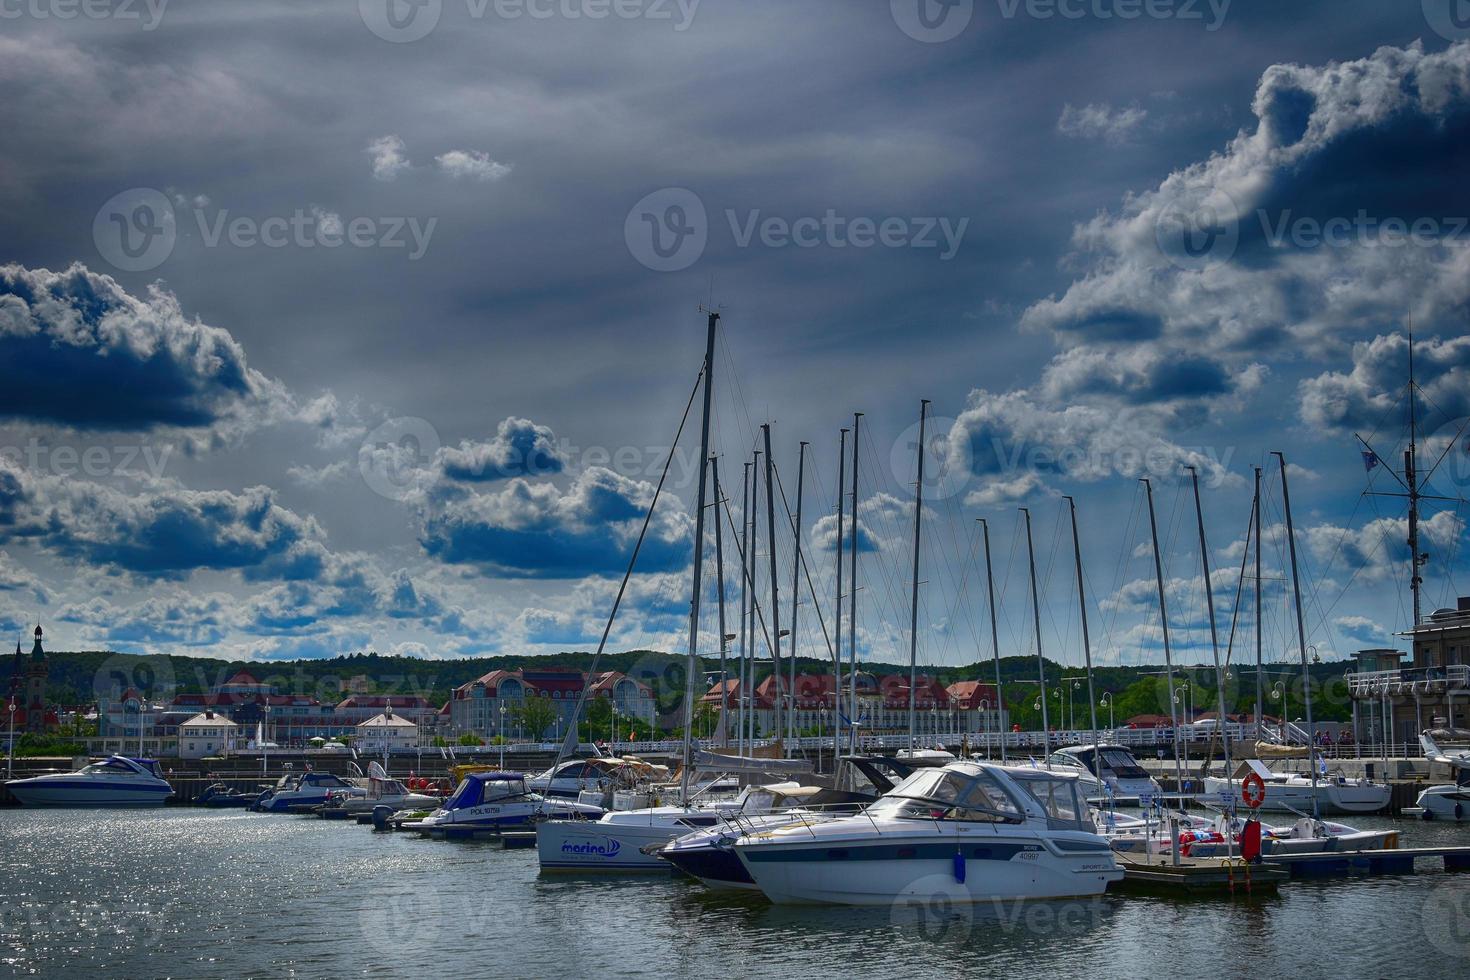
{"x": 1086, "y": 637}
{"x": 775, "y": 588}
{"x": 1153, "y": 525}
{"x": 1260, "y": 666}
{"x": 914, "y": 594}
{"x": 755, "y": 527}
{"x": 693, "y": 665}
{"x": 1411, "y": 482}
{"x": 857, "y": 419}
{"x": 994, "y": 634}
{"x": 1204, "y": 557}
{"x": 837, "y": 617}
{"x": 742, "y": 690}
{"x": 714, "y": 466}
{"x": 1040, "y": 663}
{"x": 1301, "y": 635}
{"x": 796, "y": 581}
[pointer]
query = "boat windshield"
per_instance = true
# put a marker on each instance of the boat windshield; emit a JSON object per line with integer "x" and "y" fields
{"x": 473, "y": 792}
{"x": 110, "y": 767}
{"x": 1057, "y": 796}
{"x": 944, "y": 794}
{"x": 1080, "y": 760}
{"x": 1122, "y": 764}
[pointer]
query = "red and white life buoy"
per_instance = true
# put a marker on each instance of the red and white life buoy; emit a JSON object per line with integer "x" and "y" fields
{"x": 1253, "y": 790}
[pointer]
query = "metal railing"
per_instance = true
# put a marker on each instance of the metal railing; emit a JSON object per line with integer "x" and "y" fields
{"x": 1408, "y": 680}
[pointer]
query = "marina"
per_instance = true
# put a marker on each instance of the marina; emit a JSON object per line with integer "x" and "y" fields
{"x": 117, "y": 891}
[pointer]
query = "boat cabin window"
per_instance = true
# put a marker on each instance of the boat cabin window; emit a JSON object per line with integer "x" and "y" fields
{"x": 1081, "y": 760}
{"x": 1122, "y": 764}
{"x": 943, "y": 794}
{"x": 113, "y": 766}
{"x": 1057, "y": 796}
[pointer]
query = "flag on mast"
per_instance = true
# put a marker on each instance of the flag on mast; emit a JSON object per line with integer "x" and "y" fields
{"x": 1370, "y": 460}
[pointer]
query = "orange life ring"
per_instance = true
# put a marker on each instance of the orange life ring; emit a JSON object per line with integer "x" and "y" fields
{"x": 1253, "y": 790}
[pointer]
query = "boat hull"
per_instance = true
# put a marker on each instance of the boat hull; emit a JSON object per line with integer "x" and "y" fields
{"x": 83, "y": 794}
{"x": 1331, "y": 797}
{"x": 589, "y": 845}
{"x": 1448, "y": 802}
{"x": 886, "y": 872}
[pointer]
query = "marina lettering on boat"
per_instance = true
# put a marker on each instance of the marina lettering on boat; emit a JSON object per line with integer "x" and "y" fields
{"x": 609, "y": 848}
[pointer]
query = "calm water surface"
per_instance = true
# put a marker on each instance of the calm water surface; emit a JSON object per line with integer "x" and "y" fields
{"x": 195, "y": 893}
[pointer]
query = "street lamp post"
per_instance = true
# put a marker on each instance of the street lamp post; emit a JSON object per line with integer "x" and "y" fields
{"x": 10, "y": 753}
{"x": 502, "y": 737}
{"x": 1278, "y": 693}
{"x": 985, "y": 725}
{"x": 1107, "y": 701}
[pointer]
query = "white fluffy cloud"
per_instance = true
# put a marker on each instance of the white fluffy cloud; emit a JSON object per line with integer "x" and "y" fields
{"x": 472, "y": 165}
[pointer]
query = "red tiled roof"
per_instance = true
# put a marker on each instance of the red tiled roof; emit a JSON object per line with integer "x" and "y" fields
{"x": 968, "y": 694}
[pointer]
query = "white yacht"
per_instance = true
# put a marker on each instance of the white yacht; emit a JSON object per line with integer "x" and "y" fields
{"x": 1446, "y": 801}
{"x": 497, "y": 801}
{"x": 1294, "y": 792}
{"x": 114, "y": 782}
{"x": 304, "y": 789}
{"x": 1115, "y": 764}
{"x": 382, "y": 790}
{"x": 971, "y": 831}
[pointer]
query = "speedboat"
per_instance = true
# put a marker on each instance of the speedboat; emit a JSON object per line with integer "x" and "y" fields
{"x": 497, "y": 801}
{"x": 969, "y": 832}
{"x": 1295, "y": 792}
{"x": 1446, "y": 801}
{"x": 221, "y": 796}
{"x": 115, "y": 782}
{"x": 572, "y": 778}
{"x": 1117, "y": 767}
{"x": 304, "y": 789}
{"x": 709, "y": 854}
{"x": 629, "y": 840}
{"x": 382, "y": 790}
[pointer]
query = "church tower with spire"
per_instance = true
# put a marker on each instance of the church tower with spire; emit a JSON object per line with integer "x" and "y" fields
{"x": 35, "y": 700}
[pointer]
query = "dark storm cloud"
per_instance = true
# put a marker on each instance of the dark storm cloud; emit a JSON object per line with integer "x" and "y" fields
{"x": 80, "y": 351}
{"x": 539, "y": 531}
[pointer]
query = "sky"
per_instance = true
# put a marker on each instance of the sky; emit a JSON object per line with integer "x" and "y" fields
{"x": 339, "y": 326}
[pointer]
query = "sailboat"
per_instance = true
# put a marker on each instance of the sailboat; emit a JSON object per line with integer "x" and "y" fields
{"x": 627, "y": 840}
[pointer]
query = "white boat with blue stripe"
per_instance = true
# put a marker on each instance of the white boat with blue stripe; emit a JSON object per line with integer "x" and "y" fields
{"x": 115, "y": 782}
{"x": 498, "y": 801}
{"x": 968, "y": 832}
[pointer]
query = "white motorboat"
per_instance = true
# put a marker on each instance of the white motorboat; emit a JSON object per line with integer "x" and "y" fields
{"x": 1200, "y": 836}
{"x": 497, "y": 801}
{"x": 115, "y": 782}
{"x": 1115, "y": 764}
{"x": 971, "y": 831}
{"x": 382, "y": 790}
{"x": 1445, "y": 801}
{"x": 305, "y": 789}
{"x": 1295, "y": 792}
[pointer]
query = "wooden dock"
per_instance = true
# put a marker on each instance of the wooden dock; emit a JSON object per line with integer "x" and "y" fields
{"x": 1199, "y": 876}
{"x": 1394, "y": 861}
